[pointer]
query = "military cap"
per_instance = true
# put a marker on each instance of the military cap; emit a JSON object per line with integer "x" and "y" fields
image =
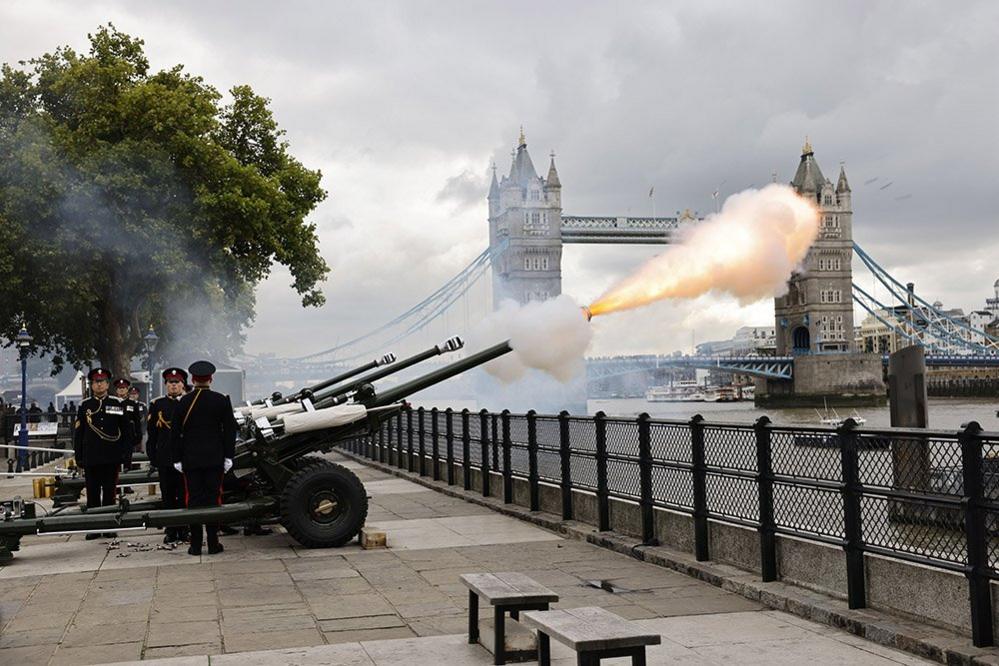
{"x": 175, "y": 374}
{"x": 98, "y": 374}
{"x": 202, "y": 370}
{"x": 121, "y": 381}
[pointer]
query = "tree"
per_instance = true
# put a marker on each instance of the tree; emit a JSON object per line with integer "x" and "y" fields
{"x": 131, "y": 198}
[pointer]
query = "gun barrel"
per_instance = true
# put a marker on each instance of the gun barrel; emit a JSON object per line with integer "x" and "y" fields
{"x": 329, "y": 399}
{"x": 437, "y": 376}
{"x": 384, "y": 360}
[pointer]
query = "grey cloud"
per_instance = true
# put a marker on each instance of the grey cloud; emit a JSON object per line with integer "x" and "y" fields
{"x": 401, "y": 104}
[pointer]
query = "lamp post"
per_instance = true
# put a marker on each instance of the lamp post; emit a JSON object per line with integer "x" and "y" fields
{"x": 23, "y": 342}
{"x": 150, "y": 340}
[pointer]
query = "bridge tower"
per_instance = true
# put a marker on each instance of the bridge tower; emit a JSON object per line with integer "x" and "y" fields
{"x": 525, "y": 223}
{"x": 814, "y": 320}
{"x": 816, "y": 314}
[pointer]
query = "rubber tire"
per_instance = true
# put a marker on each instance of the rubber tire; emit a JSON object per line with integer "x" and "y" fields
{"x": 295, "y": 511}
{"x": 305, "y": 461}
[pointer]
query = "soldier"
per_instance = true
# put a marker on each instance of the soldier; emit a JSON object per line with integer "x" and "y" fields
{"x": 121, "y": 386}
{"x": 203, "y": 433}
{"x": 101, "y": 431}
{"x": 158, "y": 446}
{"x": 140, "y": 407}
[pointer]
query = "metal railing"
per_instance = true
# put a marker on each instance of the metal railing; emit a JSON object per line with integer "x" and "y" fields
{"x": 923, "y": 496}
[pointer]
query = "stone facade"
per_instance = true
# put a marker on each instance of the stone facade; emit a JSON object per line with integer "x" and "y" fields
{"x": 816, "y": 314}
{"x": 525, "y": 222}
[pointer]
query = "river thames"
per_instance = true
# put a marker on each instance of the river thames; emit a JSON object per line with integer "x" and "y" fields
{"x": 945, "y": 413}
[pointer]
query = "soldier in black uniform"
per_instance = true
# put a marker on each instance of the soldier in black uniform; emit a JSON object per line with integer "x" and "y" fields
{"x": 158, "y": 446}
{"x": 141, "y": 410}
{"x": 203, "y": 432}
{"x": 121, "y": 389}
{"x": 101, "y": 431}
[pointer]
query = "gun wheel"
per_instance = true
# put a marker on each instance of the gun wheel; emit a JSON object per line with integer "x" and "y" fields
{"x": 323, "y": 505}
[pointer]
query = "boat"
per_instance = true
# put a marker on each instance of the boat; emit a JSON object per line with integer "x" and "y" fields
{"x": 681, "y": 392}
{"x": 830, "y": 417}
{"x": 721, "y": 394}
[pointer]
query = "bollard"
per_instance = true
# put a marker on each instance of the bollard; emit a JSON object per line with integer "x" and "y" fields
{"x": 532, "y": 459}
{"x": 765, "y": 488}
{"x": 699, "y": 475}
{"x": 421, "y": 429}
{"x": 976, "y": 535}
{"x": 507, "y": 468}
{"x": 645, "y": 480}
{"x": 449, "y": 444}
{"x": 603, "y": 496}
{"x": 484, "y": 439}
{"x": 856, "y": 590}
{"x": 435, "y": 453}
{"x": 565, "y": 464}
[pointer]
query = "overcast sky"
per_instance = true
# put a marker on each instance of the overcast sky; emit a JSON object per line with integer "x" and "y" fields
{"x": 403, "y": 106}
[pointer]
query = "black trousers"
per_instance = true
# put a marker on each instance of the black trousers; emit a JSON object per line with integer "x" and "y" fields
{"x": 173, "y": 488}
{"x": 204, "y": 488}
{"x": 101, "y": 482}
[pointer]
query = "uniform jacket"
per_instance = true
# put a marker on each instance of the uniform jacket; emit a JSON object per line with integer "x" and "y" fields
{"x": 102, "y": 431}
{"x": 136, "y": 412}
{"x": 203, "y": 429}
{"x": 158, "y": 442}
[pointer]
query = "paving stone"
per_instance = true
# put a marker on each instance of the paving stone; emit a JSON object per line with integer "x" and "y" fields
{"x": 194, "y": 650}
{"x": 31, "y": 655}
{"x": 324, "y": 573}
{"x": 816, "y": 650}
{"x": 260, "y": 614}
{"x": 96, "y": 654}
{"x": 273, "y": 622}
{"x": 183, "y": 614}
{"x": 258, "y": 596}
{"x": 182, "y": 633}
{"x": 370, "y": 622}
{"x": 237, "y": 580}
{"x": 49, "y": 636}
{"x": 439, "y": 625}
{"x": 259, "y": 640}
{"x": 357, "y": 635}
{"x": 248, "y": 566}
{"x": 428, "y": 651}
{"x": 357, "y": 605}
{"x": 22, "y": 622}
{"x": 184, "y": 573}
{"x": 350, "y": 654}
{"x": 104, "y": 634}
{"x": 201, "y": 660}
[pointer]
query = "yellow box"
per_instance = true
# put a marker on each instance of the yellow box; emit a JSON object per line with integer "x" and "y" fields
{"x": 36, "y": 487}
{"x": 373, "y": 538}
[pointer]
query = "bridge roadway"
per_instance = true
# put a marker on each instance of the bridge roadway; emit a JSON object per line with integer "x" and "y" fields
{"x": 772, "y": 367}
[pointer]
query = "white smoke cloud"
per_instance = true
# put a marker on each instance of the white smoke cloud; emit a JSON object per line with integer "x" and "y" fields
{"x": 551, "y": 336}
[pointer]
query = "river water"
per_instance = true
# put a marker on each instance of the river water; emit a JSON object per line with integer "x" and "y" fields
{"x": 944, "y": 413}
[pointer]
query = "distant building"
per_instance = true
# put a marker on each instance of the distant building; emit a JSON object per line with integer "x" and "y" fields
{"x": 816, "y": 314}
{"x": 747, "y": 341}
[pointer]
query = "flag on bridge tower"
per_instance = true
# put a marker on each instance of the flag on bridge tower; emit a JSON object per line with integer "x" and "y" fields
{"x": 651, "y": 191}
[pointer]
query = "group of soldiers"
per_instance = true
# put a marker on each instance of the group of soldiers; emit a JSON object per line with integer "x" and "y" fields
{"x": 191, "y": 439}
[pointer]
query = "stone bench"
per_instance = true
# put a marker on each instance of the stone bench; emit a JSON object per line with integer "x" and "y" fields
{"x": 506, "y": 593}
{"x": 594, "y": 633}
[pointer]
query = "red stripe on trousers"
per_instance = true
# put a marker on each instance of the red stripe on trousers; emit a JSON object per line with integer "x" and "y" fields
{"x": 187, "y": 495}
{"x": 218, "y": 500}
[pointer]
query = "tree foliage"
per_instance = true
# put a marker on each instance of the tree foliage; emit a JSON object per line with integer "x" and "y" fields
{"x": 131, "y": 198}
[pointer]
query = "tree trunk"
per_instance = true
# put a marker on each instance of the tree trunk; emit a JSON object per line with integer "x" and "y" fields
{"x": 112, "y": 349}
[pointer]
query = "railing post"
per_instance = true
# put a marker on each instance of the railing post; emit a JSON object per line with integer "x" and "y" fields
{"x": 645, "y": 479}
{"x": 421, "y": 459}
{"x": 435, "y": 453}
{"x": 856, "y": 588}
{"x": 507, "y": 470}
{"x": 765, "y": 488}
{"x": 495, "y": 438}
{"x": 565, "y": 464}
{"x": 532, "y": 459}
{"x": 976, "y": 534}
{"x": 466, "y": 441}
{"x": 409, "y": 444}
{"x": 603, "y": 496}
{"x": 449, "y": 445}
{"x": 484, "y": 439}
{"x": 699, "y": 474}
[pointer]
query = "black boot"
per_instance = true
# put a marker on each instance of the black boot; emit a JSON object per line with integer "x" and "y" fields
{"x": 228, "y": 531}
{"x": 92, "y": 536}
{"x": 214, "y": 548}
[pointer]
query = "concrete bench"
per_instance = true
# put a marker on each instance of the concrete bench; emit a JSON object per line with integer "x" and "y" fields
{"x": 506, "y": 593}
{"x": 594, "y": 633}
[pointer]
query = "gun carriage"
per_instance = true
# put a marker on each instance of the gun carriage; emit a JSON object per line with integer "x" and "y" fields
{"x": 279, "y": 479}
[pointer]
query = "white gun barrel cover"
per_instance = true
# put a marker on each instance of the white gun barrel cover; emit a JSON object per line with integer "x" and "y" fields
{"x": 323, "y": 418}
{"x": 270, "y": 412}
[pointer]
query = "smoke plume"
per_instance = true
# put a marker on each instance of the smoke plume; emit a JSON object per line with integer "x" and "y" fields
{"x": 550, "y": 336}
{"x": 748, "y": 250}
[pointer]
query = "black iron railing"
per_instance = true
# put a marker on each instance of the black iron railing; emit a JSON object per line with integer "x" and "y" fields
{"x": 923, "y": 496}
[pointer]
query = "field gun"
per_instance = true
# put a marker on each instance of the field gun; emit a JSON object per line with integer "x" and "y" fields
{"x": 278, "y": 479}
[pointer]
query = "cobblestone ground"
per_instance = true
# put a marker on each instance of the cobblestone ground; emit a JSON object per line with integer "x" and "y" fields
{"x": 267, "y": 601}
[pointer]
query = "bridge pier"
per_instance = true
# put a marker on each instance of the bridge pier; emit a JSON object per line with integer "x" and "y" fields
{"x": 836, "y": 380}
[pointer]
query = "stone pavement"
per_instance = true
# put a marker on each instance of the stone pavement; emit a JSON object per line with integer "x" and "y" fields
{"x": 266, "y": 600}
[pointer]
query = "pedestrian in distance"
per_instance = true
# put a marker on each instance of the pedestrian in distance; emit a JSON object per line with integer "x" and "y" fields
{"x": 203, "y": 435}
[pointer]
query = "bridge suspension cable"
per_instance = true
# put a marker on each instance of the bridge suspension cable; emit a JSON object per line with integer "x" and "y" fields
{"x": 415, "y": 318}
{"x": 927, "y": 324}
